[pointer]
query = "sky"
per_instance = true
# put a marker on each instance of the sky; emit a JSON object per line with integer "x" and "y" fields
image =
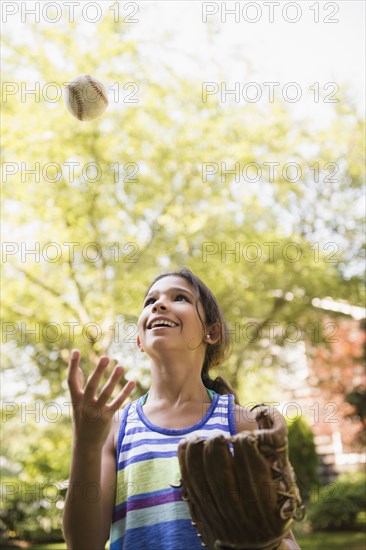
{"x": 280, "y": 51}
{"x": 316, "y": 45}
{"x": 303, "y": 52}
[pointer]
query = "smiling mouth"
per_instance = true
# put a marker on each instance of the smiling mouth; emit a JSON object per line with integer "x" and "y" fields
{"x": 162, "y": 324}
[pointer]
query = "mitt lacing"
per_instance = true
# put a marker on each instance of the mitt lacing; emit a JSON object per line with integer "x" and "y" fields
{"x": 291, "y": 505}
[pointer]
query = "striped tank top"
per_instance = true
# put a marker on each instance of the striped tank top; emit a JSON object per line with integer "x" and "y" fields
{"x": 149, "y": 514}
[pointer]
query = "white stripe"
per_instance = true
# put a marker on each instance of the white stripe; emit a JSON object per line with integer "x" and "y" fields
{"x": 165, "y": 445}
{"x": 133, "y": 437}
{"x": 148, "y": 448}
{"x": 117, "y": 530}
{"x": 170, "y": 511}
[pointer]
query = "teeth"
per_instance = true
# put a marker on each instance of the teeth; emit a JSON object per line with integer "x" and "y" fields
{"x": 163, "y": 322}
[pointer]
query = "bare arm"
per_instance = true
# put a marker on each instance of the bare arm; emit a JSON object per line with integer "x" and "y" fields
{"x": 82, "y": 518}
{"x": 89, "y": 500}
{"x": 109, "y": 478}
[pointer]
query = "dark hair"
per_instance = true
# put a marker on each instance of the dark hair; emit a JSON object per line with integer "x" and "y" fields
{"x": 216, "y": 353}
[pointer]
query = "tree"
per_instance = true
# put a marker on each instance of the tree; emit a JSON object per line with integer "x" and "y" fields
{"x": 144, "y": 189}
{"x": 337, "y": 369}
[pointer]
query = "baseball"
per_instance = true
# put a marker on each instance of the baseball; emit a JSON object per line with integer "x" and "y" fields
{"x": 85, "y": 97}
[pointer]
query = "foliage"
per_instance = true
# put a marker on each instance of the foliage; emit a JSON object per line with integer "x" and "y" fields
{"x": 165, "y": 215}
{"x": 339, "y": 504}
{"x": 332, "y": 541}
{"x": 34, "y": 478}
{"x": 337, "y": 368}
{"x": 357, "y": 397}
{"x": 302, "y": 455}
{"x": 117, "y": 231}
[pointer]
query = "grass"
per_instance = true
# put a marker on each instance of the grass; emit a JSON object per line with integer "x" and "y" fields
{"x": 51, "y": 546}
{"x": 332, "y": 541}
{"x": 343, "y": 540}
{"x": 314, "y": 541}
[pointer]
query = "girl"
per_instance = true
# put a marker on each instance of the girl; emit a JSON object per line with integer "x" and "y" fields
{"x": 123, "y": 467}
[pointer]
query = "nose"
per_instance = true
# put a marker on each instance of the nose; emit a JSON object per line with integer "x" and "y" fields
{"x": 158, "y": 305}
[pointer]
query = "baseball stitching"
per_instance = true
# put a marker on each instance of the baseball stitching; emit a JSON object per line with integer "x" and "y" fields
{"x": 96, "y": 88}
{"x": 79, "y": 102}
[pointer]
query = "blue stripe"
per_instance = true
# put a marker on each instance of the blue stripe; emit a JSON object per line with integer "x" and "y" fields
{"x": 174, "y": 535}
{"x": 208, "y": 426}
{"x": 155, "y": 453}
{"x": 183, "y": 431}
{"x": 117, "y": 544}
{"x": 160, "y": 441}
{"x": 122, "y": 430}
{"x": 138, "y": 430}
{"x": 231, "y": 413}
{"x": 164, "y": 441}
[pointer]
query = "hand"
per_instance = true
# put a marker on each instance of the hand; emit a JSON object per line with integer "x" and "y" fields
{"x": 93, "y": 415}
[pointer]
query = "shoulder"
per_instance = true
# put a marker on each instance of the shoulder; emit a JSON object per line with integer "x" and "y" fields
{"x": 117, "y": 420}
{"x": 244, "y": 419}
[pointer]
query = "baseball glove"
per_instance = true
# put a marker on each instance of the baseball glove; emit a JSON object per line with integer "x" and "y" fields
{"x": 241, "y": 490}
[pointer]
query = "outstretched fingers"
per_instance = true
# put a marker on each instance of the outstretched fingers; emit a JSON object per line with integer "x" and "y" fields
{"x": 74, "y": 375}
{"x": 78, "y": 394}
{"x": 95, "y": 378}
{"x": 109, "y": 386}
{"x": 122, "y": 396}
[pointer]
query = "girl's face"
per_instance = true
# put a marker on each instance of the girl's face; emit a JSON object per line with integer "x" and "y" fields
{"x": 171, "y": 299}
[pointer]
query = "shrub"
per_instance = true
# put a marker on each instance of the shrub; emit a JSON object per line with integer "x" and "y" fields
{"x": 339, "y": 504}
{"x": 302, "y": 455}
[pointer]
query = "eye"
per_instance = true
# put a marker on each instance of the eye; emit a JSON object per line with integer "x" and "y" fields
{"x": 181, "y": 296}
{"x": 149, "y": 301}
